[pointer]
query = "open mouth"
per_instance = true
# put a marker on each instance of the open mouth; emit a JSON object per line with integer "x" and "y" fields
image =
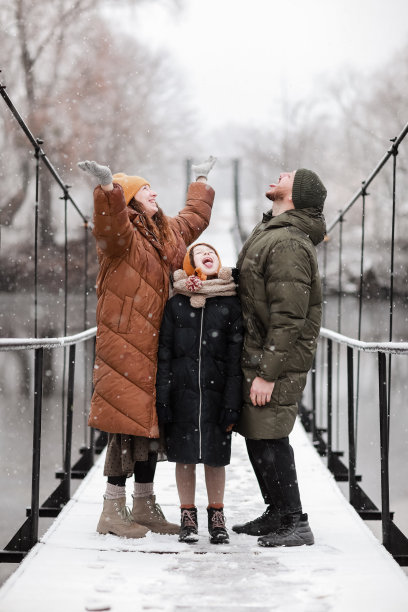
{"x": 208, "y": 261}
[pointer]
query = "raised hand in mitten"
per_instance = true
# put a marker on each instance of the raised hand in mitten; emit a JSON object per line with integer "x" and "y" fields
{"x": 202, "y": 170}
{"x": 102, "y": 173}
{"x": 193, "y": 283}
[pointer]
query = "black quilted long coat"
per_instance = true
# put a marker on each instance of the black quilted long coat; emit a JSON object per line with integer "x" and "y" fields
{"x": 199, "y": 378}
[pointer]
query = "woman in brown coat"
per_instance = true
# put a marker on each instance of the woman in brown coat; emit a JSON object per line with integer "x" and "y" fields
{"x": 138, "y": 247}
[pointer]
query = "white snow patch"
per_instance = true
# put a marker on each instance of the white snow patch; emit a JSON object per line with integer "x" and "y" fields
{"x": 75, "y": 569}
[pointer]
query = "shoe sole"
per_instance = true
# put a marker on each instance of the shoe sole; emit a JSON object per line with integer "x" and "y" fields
{"x": 190, "y": 540}
{"x": 155, "y": 528}
{"x": 121, "y": 536}
{"x": 286, "y": 545}
{"x": 162, "y": 532}
{"x": 255, "y": 535}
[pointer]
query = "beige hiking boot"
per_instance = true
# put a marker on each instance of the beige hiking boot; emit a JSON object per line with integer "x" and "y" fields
{"x": 117, "y": 519}
{"x": 147, "y": 512}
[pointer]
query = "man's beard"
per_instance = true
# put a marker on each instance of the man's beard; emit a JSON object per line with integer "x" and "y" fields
{"x": 275, "y": 195}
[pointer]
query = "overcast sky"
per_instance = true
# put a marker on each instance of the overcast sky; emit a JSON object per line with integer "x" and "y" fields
{"x": 239, "y": 56}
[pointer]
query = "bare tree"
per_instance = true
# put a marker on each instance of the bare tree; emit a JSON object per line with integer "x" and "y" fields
{"x": 84, "y": 89}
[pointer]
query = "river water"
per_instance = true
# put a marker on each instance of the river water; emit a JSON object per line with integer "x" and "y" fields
{"x": 16, "y": 402}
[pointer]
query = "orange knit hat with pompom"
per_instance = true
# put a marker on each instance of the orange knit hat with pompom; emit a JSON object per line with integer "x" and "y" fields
{"x": 188, "y": 262}
{"x": 129, "y": 184}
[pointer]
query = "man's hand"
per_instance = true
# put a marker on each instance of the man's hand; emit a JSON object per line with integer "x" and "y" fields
{"x": 261, "y": 391}
{"x": 201, "y": 170}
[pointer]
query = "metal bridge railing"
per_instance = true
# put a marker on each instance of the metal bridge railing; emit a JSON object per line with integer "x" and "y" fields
{"x": 395, "y": 273}
{"x": 322, "y": 433}
{"x": 331, "y": 374}
{"x": 27, "y": 535}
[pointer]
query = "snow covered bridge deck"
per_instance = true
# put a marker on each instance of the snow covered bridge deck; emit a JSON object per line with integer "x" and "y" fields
{"x": 73, "y": 569}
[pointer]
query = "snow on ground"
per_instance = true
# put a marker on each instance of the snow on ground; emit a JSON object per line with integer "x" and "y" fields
{"x": 74, "y": 569}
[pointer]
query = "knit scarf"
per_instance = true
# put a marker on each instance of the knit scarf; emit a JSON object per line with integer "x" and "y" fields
{"x": 198, "y": 291}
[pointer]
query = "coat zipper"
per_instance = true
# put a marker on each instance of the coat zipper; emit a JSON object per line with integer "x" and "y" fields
{"x": 199, "y": 382}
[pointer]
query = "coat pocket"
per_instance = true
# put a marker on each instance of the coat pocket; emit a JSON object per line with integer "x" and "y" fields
{"x": 124, "y": 319}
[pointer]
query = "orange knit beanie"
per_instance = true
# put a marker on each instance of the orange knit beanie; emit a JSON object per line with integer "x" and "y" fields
{"x": 188, "y": 262}
{"x": 129, "y": 184}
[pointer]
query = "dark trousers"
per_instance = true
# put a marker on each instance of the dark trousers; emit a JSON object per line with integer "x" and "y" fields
{"x": 144, "y": 471}
{"x": 273, "y": 462}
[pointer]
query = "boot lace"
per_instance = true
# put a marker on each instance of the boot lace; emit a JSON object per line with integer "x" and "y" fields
{"x": 218, "y": 519}
{"x": 125, "y": 514}
{"x": 158, "y": 510}
{"x": 188, "y": 518}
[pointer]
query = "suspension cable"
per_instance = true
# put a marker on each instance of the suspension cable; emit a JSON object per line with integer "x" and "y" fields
{"x": 370, "y": 178}
{"x": 360, "y": 309}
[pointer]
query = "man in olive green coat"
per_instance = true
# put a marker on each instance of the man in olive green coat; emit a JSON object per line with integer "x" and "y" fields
{"x": 281, "y": 299}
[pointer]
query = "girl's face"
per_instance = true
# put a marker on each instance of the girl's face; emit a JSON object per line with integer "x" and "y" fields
{"x": 206, "y": 259}
{"x": 147, "y": 198}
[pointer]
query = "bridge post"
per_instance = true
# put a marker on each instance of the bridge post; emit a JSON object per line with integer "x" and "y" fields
{"x": 68, "y": 433}
{"x": 384, "y": 443}
{"x": 35, "y": 479}
{"x": 189, "y": 163}
{"x": 329, "y": 447}
{"x": 313, "y": 389}
{"x": 236, "y": 169}
{"x": 351, "y": 432}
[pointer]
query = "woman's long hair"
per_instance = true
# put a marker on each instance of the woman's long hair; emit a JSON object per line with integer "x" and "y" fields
{"x": 158, "y": 224}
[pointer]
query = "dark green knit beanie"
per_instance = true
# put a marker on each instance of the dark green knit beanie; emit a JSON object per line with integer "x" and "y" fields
{"x": 308, "y": 190}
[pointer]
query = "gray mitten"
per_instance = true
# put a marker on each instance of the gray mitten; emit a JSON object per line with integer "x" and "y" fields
{"x": 204, "y": 168}
{"x": 102, "y": 173}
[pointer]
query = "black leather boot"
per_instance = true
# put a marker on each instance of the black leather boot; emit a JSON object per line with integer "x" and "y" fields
{"x": 189, "y": 525}
{"x": 266, "y": 523}
{"x": 295, "y": 531}
{"x": 216, "y": 526}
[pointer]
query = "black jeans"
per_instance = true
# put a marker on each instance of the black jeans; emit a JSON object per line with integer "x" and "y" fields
{"x": 273, "y": 462}
{"x": 144, "y": 471}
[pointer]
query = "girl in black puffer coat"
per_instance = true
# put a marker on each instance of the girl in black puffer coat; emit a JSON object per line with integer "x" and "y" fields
{"x": 199, "y": 382}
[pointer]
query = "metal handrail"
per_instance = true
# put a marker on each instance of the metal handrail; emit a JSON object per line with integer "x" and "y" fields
{"x": 368, "y": 347}
{"x": 393, "y": 539}
{"x": 329, "y": 372}
{"x": 27, "y": 535}
{"x": 15, "y": 344}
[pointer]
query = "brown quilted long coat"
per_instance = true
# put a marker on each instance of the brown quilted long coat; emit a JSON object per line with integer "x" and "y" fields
{"x": 132, "y": 290}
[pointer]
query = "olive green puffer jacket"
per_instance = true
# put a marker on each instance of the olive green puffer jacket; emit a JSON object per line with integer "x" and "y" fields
{"x": 281, "y": 300}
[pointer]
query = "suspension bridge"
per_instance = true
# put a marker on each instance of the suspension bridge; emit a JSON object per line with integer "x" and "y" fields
{"x": 353, "y": 381}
